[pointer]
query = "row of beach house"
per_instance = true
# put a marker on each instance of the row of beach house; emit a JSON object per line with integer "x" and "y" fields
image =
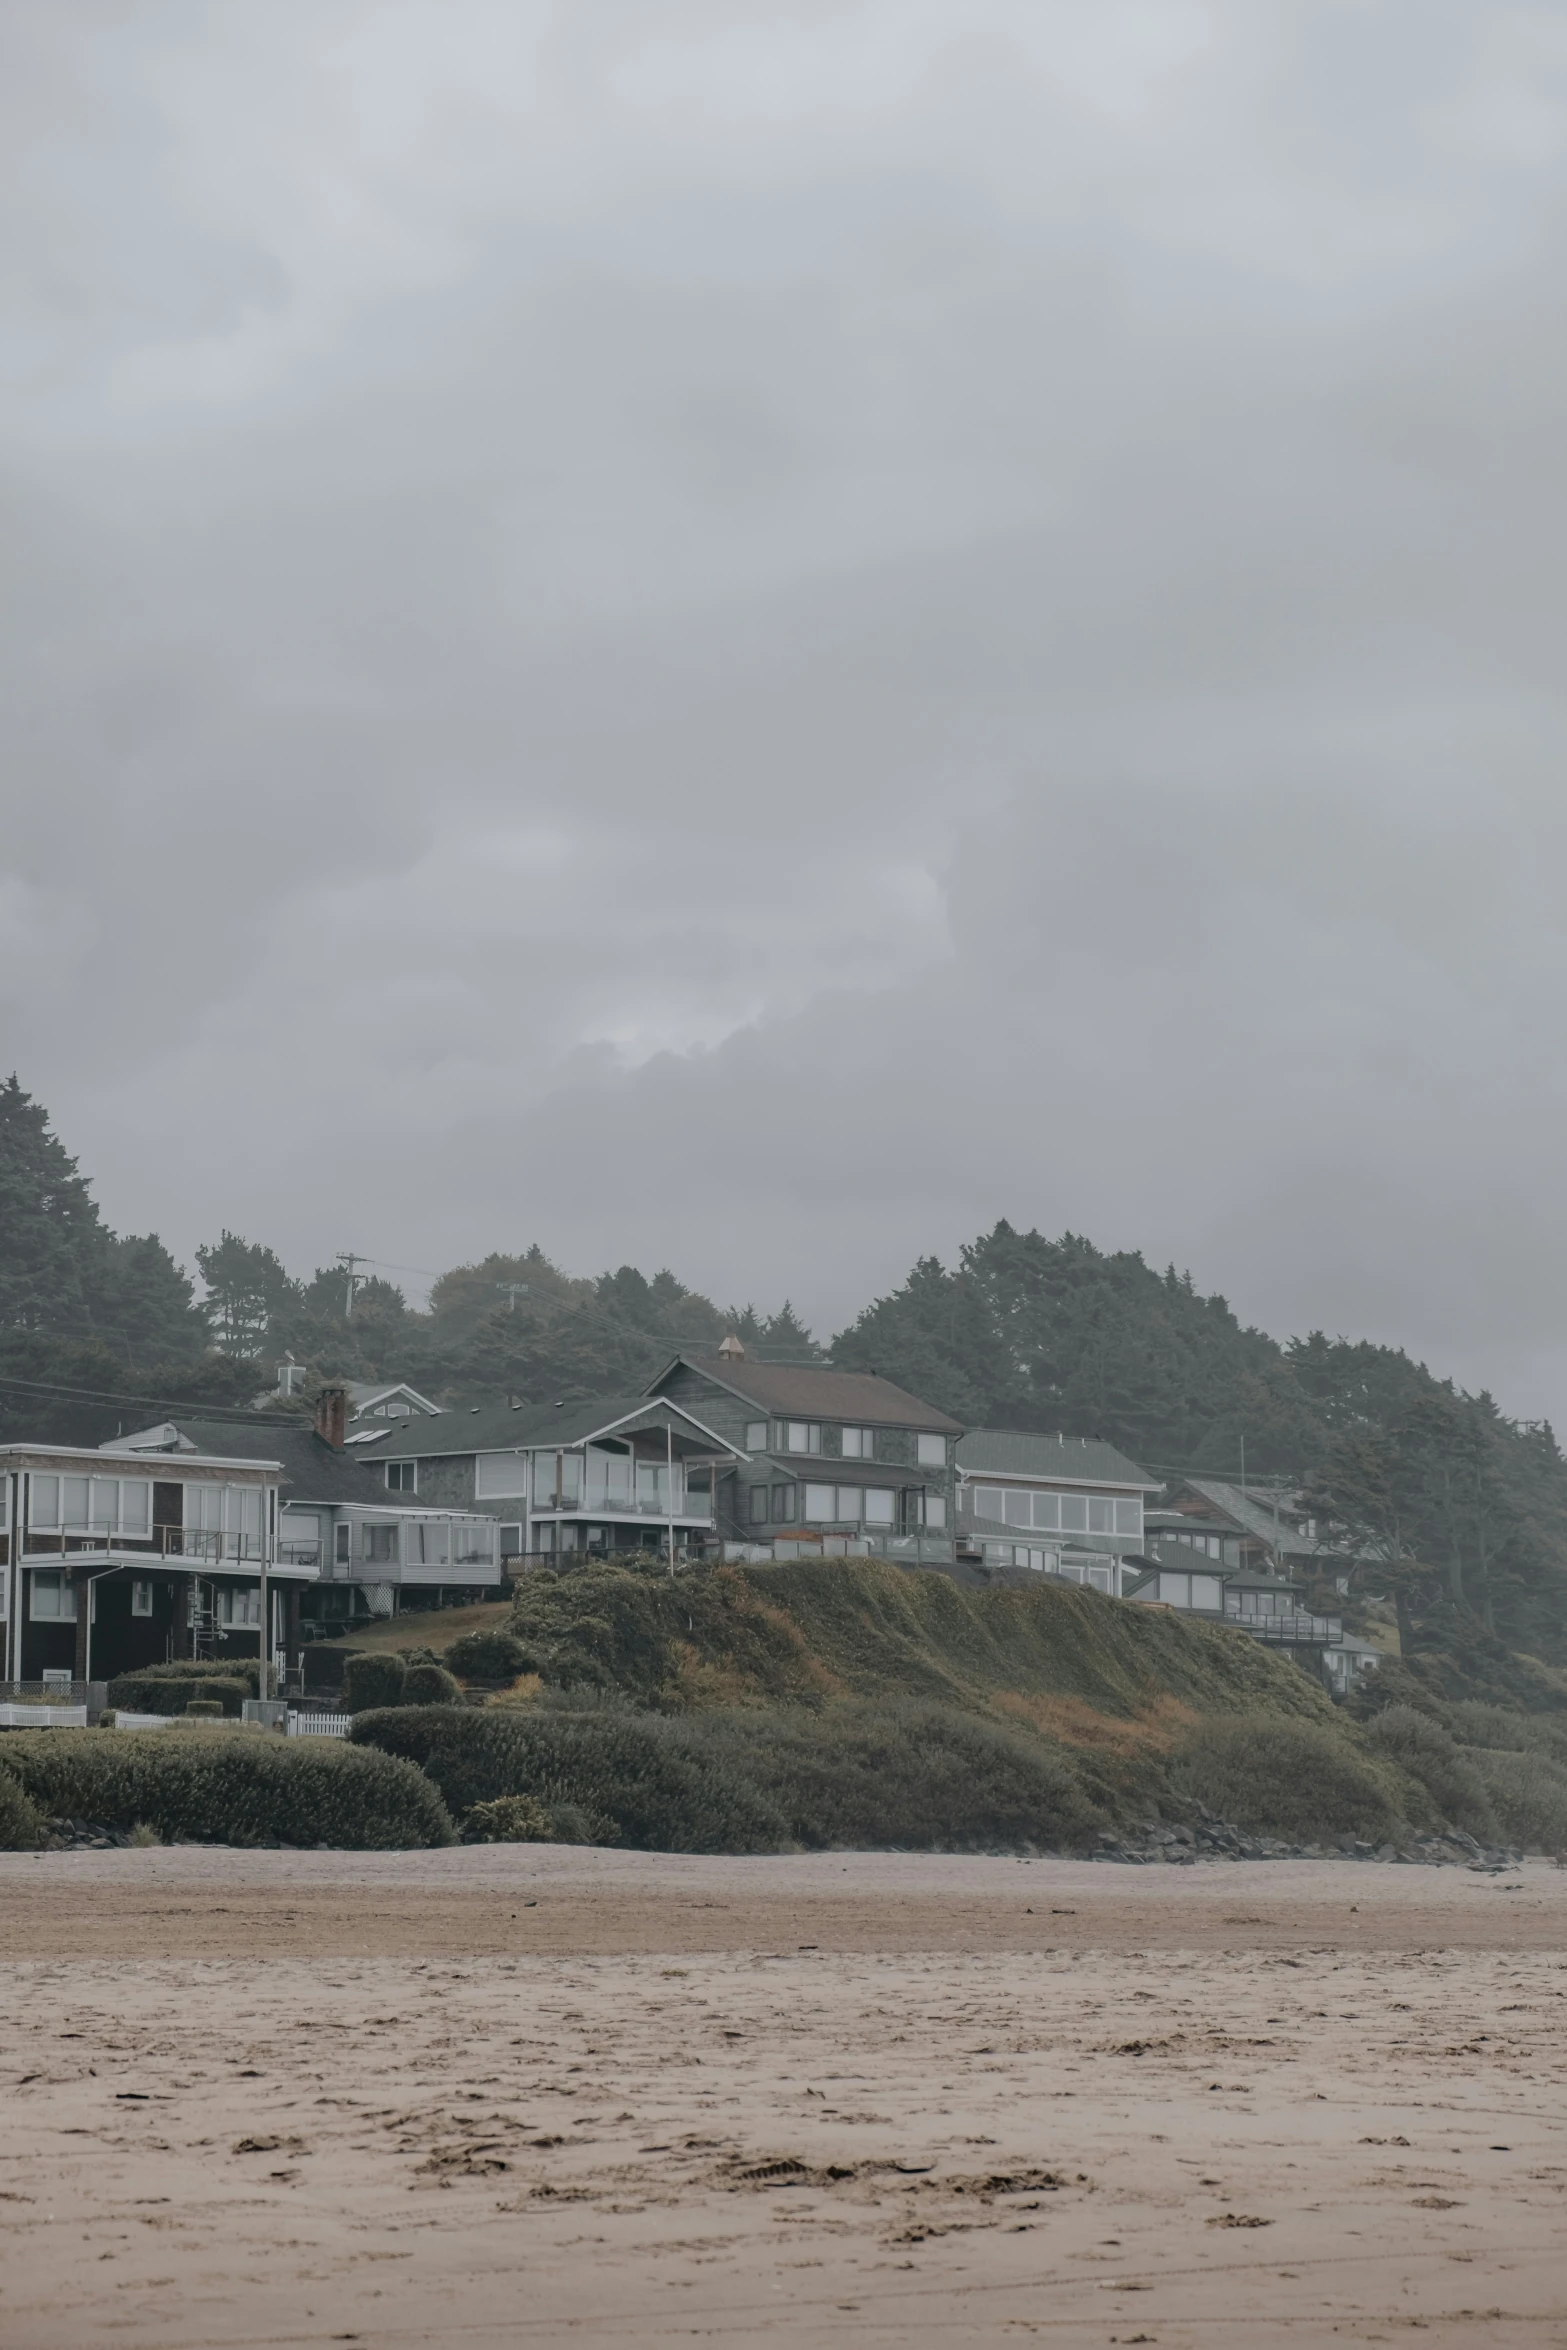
{"x": 261, "y": 1533}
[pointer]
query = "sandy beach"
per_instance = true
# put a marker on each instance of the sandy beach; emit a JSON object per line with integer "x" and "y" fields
{"x": 542, "y": 2095}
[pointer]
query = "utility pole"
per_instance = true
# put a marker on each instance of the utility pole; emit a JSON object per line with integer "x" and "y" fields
{"x": 512, "y": 1290}
{"x": 355, "y": 1281}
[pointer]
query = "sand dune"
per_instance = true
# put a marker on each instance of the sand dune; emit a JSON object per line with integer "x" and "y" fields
{"x": 545, "y": 2096}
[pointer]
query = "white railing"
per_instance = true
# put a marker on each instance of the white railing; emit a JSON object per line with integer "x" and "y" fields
{"x": 125, "y": 1721}
{"x": 308, "y": 1725}
{"x": 43, "y": 1717}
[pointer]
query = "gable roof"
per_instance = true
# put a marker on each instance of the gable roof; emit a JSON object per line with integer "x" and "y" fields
{"x": 1078, "y": 1460}
{"x": 503, "y": 1428}
{"x": 815, "y": 1391}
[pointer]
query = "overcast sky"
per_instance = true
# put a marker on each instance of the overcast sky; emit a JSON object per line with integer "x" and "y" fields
{"x": 747, "y": 636}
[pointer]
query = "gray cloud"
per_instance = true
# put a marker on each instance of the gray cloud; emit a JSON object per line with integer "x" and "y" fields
{"x": 750, "y": 638}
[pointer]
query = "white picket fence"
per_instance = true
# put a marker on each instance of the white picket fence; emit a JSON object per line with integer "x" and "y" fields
{"x": 125, "y": 1721}
{"x": 43, "y": 1717}
{"x": 303, "y": 1725}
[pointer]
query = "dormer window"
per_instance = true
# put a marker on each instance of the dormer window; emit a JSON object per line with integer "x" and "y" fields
{"x": 802, "y": 1436}
{"x": 859, "y": 1444}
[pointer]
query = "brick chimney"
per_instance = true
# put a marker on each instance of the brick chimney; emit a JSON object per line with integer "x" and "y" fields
{"x": 332, "y": 1416}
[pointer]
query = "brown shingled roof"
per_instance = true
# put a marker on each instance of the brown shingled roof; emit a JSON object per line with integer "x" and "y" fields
{"x": 817, "y": 1393}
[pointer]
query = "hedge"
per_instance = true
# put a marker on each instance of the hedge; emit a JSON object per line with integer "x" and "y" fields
{"x": 159, "y": 1691}
{"x": 488, "y": 1656}
{"x": 222, "y": 1786}
{"x": 631, "y": 1770}
{"x": 431, "y": 1684}
{"x": 373, "y": 1677}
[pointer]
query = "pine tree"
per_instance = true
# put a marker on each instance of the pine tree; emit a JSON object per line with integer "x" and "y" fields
{"x": 53, "y": 1238}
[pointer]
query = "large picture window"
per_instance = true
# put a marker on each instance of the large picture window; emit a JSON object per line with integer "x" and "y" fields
{"x": 932, "y": 1452}
{"x": 881, "y": 1506}
{"x": 503, "y": 1476}
{"x": 821, "y": 1505}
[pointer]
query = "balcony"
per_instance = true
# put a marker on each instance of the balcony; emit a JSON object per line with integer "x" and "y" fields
{"x": 1292, "y": 1625}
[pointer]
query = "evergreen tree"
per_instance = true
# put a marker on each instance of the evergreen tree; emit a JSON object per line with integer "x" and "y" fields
{"x": 248, "y": 1288}
{"x": 53, "y": 1237}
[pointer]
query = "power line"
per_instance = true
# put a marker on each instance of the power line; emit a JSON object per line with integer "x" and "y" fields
{"x": 240, "y": 1414}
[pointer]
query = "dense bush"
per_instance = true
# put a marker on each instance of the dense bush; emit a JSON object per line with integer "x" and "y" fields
{"x": 158, "y": 1691}
{"x": 924, "y": 1778}
{"x": 1529, "y": 1794}
{"x": 921, "y": 1778}
{"x": 226, "y": 1786}
{"x": 227, "y": 1668}
{"x": 510, "y": 1819}
{"x": 632, "y": 1770}
{"x": 489, "y": 1656}
{"x": 430, "y": 1684}
{"x": 1500, "y": 1726}
{"x": 1301, "y": 1780}
{"x": 373, "y": 1677}
{"x": 206, "y": 1709}
{"x": 1423, "y": 1748}
{"x": 20, "y": 1826}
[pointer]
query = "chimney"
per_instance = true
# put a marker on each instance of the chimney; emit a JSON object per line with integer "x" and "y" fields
{"x": 331, "y": 1416}
{"x": 731, "y": 1350}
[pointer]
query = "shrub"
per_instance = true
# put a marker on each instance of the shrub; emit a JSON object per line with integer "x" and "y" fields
{"x": 921, "y": 1778}
{"x": 510, "y": 1819}
{"x": 629, "y": 1769}
{"x": 1500, "y": 1727}
{"x": 204, "y": 1709}
{"x": 431, "y": 1684}
{"x": 162, "y": 1691}
{"x": 20, "y": 1826}
{"x": 228, "y": 1787}
{"x": 373, "y": 1678}
{"x": 1529, "y": 1794}
{"x": 924, "y": 1778}
{"x": 1281, "y": 1777}
{"x": 1423, "y": 1748}
{"x": 488, "y": 1656}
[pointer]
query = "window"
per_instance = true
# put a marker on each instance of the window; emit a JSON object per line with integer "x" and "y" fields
{"x": 1175, "y": 1590}
{"x": 1047, "y": 1512}
{"x": 380, "y": 1545}
{"x": 92, "y": 1505}
{"x": 1129, "y": 1518}
{"x": 1101, "y": 1514}
{"x": 141, "y": 1599}
{"x": 1207, "y": 1591}
{"x": 340, "y": 1546}
{"x": 238, "y": 1611}
{"x": 932, "y": 1452}
{"x": 756, "y": 1436}
{"x": 988, "y": 1501}
{"x": 881, "y": 1506}
{"x": 424, "y": 1543}
{"x": 498, "y": 1476}
{"x": 850, "y": 1504}
{"x": 511, "y": 1542}
{"x": 1019, "y": 1507}
{"x": 935, "y": 1510}
{"x": 54, "y": 1598}
{"x": 758, "y": 1505}
{"x": 821, "y": 1504}
{"x": 802, "y": 1436}
{"x": 859, "y": 1444}
{"x": 1074, "y": 1513}
{"x": 403, "y": 1476}
{"x": 783, "y": 1504}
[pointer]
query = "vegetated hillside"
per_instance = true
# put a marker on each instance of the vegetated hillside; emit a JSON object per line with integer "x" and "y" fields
{"x": 812, "y": 1632}
{"x": 1466, "y": 1508}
